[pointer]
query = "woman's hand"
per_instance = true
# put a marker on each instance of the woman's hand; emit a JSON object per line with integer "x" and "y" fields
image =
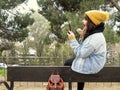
{"x": 81, "y": 33}
{"x": 71, "y": 35}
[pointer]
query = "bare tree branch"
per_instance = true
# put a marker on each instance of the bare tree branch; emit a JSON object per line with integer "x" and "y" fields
{"x": 114, "y": 3}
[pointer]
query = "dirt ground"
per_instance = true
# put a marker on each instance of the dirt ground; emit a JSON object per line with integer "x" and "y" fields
{"x": 42, "y": 86}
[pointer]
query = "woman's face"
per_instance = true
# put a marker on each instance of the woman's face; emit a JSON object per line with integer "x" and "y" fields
{"x": 84, "y": 21}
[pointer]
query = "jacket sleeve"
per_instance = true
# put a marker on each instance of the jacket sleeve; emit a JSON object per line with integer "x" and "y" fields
{"x": 81, "y": 50}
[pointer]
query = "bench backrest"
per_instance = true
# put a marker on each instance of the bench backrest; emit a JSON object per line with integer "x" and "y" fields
{"x": 42, "y": 73}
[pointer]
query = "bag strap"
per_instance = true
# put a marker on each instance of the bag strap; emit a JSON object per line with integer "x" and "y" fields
{"x": 55, "y": 72}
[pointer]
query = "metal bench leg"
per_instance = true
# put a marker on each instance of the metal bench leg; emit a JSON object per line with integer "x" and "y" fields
{"x": 69, "y": 85}
{"x": 11, "y": 85}
{"x": 5, "y": 83}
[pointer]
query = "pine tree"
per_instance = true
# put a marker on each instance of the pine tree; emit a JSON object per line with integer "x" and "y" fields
{"x": 13, "y": 24}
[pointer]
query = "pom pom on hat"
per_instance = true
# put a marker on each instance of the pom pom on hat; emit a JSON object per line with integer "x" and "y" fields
{"x": 97, "y": 16}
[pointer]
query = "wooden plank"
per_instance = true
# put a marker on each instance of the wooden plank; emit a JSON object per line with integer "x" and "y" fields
{"x": 42, "y": 73}
{"x": 33, "y": 73}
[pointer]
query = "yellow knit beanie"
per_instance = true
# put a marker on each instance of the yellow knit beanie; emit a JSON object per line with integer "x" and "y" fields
{"x": 97, "y": 16}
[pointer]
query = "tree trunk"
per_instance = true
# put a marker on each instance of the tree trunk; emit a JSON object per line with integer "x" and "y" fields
{"x": 114, "y": 4}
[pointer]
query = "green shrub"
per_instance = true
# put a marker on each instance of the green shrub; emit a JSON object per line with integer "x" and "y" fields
{"x": 3, "y": 72}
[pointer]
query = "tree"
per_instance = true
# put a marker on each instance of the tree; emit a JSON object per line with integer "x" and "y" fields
{"x": 115, "y": 4}
{"x": 115, "y": 17}
{"x": 110, "y": 35}
{"x": 9, "y": 4}
{"x": 14, "y": 30}
{"x": 55, "y": 16}
{"x": 38, "y": 32}
{"x": 57, "y": 11}
{"x": 13, "y": 24}
{"x": 36, "y": 40}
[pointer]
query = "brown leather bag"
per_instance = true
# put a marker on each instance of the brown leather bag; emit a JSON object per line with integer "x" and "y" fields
{"x": 55, "y": 82}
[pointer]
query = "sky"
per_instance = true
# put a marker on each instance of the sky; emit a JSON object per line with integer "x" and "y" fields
{"x": 32, "y": 4}
{"x": 27, "y": 5}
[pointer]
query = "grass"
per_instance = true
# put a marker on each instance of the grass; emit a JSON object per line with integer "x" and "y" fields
{"x": 3, "y": 72}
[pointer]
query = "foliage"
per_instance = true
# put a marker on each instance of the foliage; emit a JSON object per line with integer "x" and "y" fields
{"x": 5, "y": 45}
{"x": 37, "y": 35}
{"x": 15, "y": 30}
{"x": 72, "y": 5}
{"x": 118, "y": 59}
{"x": 110, "y": 35}
{"x": 3, "y": 72}
{"x": 115, "y": 14}
{"x": 55, "y": 16}
{"x": 117, "y": 19}
{"x": 13, "y": 25}
{"x": 75, "y": 22}
{"x": 58, "y": 53}
{"x": 7, "y": 4}
{"x": 58, "y": 11}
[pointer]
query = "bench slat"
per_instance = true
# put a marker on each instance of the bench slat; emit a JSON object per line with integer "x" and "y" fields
{"x": 42, "y": 73}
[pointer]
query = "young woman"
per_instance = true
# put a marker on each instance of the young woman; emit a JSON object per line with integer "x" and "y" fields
{"x": 90, "y": 52}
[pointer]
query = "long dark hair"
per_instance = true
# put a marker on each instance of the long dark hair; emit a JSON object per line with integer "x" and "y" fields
{"x": 90, "y": 24}
{"x": 92, "y": 28}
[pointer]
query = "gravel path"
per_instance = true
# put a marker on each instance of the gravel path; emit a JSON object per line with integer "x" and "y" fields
{"x": 42, "y": 86}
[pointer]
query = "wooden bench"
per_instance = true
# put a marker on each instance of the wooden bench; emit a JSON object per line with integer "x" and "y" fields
{"x": 42, "y": 73}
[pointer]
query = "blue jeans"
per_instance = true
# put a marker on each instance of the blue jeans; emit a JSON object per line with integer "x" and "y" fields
{"x": 80, "y": 85}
